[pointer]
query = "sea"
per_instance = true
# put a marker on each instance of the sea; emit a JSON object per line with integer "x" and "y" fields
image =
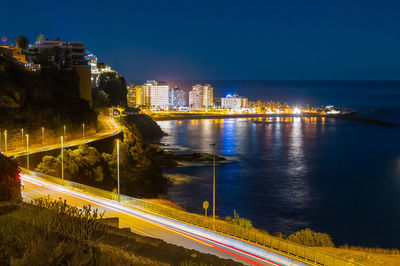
{"x": 333, "y": 176}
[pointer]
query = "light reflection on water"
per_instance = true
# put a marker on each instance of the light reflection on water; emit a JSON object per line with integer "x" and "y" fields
{"x": 294, "y": 173}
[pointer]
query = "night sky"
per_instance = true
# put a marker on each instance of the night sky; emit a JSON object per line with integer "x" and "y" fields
{"x": 223, "y": 40}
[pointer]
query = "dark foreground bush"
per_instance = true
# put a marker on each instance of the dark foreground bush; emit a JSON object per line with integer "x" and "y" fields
{"x": 56, "y": 233}
{"x": 50, "y": 233}
{"x": 310, "y": 238}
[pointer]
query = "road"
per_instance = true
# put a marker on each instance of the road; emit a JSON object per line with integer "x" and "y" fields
{"x": 144, "y": 223}
{"x": 149, "y": 225}
{"x": 111, "y": 129}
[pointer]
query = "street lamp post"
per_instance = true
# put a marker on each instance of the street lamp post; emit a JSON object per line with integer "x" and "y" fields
{"x": 27, "y": 152}
{"x": 5, "y": 141}
{"x": 42, "y": 136}
{"x": 22, "y": 138}
{"x": 83, "y": 130}
{"x": 118, "y": 166}
{"x": 62, "y": 159}
{"x": 213, "y": 187}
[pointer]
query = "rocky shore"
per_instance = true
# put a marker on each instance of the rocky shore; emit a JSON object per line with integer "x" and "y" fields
{"x": 364, "y": 120}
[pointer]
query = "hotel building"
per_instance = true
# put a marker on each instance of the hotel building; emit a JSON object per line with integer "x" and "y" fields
{"x": 233, "y": 102}
{"x": 178, "y": 97}
{"x": 201, "y": 97}
{"x": 131, "y": 96}
{"x": 153, "y": 94}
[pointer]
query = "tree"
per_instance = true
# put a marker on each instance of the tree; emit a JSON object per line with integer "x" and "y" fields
{"x": 100, "y": 99}
{"x": 40, "y": 37}
{"x": 22, "y": 42}
{"x": 49, "y": 166}
{"x": 310, "y": 238}
{"x": 115, "y": 86}
{"x": 242, "y": 222}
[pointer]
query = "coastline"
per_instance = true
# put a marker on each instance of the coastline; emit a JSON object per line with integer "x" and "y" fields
{"x": 347, "y": 117}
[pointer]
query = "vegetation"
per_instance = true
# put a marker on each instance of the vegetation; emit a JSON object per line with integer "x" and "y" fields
{"x": 114, "y": 86}
{"x": 50, "y": 233}
{"x": 10, "y": 183}
{"x": 310, "y": 238}
{"x": 372, "y": 250}
{"x": 365, "y": 256}
{"x": 100, "y": 99}
{"x": 56, "y": 233}
{"x": 140, "y": 175}
{"x": 240, "y": 221}
{"x": 84, "y": 165}
{"x": 40, "y": 37}
{"x": 144, "y": 126}
{"x": 49, "y": 99}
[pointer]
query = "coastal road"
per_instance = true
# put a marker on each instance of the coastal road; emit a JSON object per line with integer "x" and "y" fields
{"x": 139, "y": 223}
{"x": 111, "y": 129}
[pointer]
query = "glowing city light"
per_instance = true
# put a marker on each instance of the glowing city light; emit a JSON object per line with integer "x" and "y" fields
{"x": 296, "y": 111}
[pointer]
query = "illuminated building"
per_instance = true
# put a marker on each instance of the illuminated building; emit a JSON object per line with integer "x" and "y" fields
{"x": 95, "y": 73}
{"x": 131, "y": 96}
{"x": 201, "y": 97}
{"x": 72, "y": 53}
{"x": 153, "y": 94}
{"x": 233, "y": 102}
{"x": 14, "y": 52}
{"x": 178, "y": 97}
{"x": 71, "y": 56}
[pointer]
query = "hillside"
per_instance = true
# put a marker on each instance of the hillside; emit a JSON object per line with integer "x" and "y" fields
{"x": 48, "y": 98}
{"x": 63, "y": 235}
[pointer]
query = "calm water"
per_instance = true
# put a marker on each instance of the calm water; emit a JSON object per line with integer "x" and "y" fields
{"x": 333, "y": 176}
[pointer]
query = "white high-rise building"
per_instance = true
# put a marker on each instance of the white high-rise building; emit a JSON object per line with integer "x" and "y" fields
{"x": 201, "y": 97}
{"x": 159, "y": 94}
{"x": 95, "y": 73}
{"x": 233, "y": 102}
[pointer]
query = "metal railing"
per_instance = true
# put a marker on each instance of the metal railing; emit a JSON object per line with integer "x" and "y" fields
{"x": 282, "y": 246}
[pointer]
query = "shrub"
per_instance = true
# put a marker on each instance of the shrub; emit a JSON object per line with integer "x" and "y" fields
{"x": 310, "y": 238}
{"x": 50, "y": 233}
{"x": 242, "y": 222}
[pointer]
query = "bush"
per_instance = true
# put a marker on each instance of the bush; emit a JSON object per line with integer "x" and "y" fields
{"x": 50, "y": 233}
{"x": 310, "y": 238}
{"x": 242, "y": 222}
{"x": 10, "y": 184}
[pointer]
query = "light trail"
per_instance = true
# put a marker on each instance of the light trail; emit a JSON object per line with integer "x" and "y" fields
{"x": 182, "y": 229}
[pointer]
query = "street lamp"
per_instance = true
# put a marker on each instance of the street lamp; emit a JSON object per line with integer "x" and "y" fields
{"x": 62, "y": 159}
{"x": 213, "y": 187}
{"x": 22, "y": 137}
{"x": 65, "y": 130}
{"x": 5, "y": 141}
{"x": 42, "y": 136}
{"x": 83, "y": 130}
{"x": 27, "y": 152}
{"x": 118, "y": 166}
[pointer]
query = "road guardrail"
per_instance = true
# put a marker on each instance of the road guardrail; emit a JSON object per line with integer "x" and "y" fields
{"x": 254, "y": 236}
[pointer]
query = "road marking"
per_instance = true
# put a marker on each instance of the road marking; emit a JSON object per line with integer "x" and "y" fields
{"x": 169, "y": 229}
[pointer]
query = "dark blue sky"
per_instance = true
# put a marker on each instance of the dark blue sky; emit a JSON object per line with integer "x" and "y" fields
{"x": 265, "y": 40}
